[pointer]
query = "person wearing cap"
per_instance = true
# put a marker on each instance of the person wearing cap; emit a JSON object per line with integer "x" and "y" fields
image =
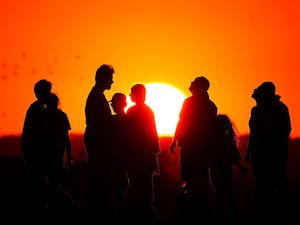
{"x": 194, "y": 137}
{"x": 268, "y": 144}
{"x": 97, "y": 140}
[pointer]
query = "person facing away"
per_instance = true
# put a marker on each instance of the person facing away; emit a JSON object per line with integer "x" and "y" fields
{"x": 119, "y": 132}
{"x": 225, "y": 155}
{"x": 142, "y": 154}
{"x": 97, "y": 140}
{"x": 194, "y": 137}
{"x": 268, "y": 145}
{"x": 30, "y": 138}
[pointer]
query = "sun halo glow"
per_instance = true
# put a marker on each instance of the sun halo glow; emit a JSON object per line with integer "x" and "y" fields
{"x": 165, "y": 100}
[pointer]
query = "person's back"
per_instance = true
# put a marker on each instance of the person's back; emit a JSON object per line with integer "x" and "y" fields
{"x": 144, "y": 144}
{"x": 143, "y": 147}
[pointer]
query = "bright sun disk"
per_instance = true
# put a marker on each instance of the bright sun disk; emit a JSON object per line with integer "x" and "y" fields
{"x": 165, "y": 101}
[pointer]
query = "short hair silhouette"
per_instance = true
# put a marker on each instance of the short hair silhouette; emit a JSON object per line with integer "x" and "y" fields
{"x": 103, "y": 71}
{"x": 42, "y": 88}
{"x": 265, "y": 90}
{"x": 202, "y": 83}
{"x": 52, "y": 101}
{"x": 118, "y": 98}
{"x": 138, "y": 92}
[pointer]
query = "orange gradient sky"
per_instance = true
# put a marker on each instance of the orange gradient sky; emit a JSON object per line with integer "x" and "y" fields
{"x": 235, "y": 44}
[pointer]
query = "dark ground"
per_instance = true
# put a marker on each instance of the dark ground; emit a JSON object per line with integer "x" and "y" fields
{"x": 15, "y": 190}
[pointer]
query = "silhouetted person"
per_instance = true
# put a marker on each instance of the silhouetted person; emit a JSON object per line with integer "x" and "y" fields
{"x": 268, "y": 145}
{"x": 194, "y": 136}
{"x": 142, "y": 156}
{"x": 120, "y": 135}
{"x": 56, "y": 141}
{"x": 97, "y": 140}
{"x": 31, "y": 140}
{"x": 225, "y": 155}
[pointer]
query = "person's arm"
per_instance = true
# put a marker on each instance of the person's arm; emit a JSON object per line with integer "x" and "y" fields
{"x": 250, "y": 138}
{"x": 69, "y": 151}
{"x": 242, "y": 168}
{"x": 173, "y": 146}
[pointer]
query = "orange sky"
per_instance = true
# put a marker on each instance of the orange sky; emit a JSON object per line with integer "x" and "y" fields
{"x": 235, "y": 44}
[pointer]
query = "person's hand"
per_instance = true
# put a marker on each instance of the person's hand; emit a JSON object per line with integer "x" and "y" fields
{"x": 172, "y": 147}
{"x": 70, "y": 164}
{"x": 156, "y": 172}
{"x": 245, "y": 170}
{"x": 247, "y": 157}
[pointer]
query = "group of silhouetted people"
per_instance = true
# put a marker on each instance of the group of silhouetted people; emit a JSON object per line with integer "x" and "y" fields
{"x": 122, "y": 152}
{"x": 123, "y": 147}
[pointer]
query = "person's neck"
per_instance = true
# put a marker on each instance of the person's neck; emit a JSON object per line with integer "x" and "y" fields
{"x": 100, "y": 87}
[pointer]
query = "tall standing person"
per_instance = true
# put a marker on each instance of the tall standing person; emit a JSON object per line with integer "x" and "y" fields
{"x": 268, "y": 145}
{"x": 195, "y": 136}
{"x": 97, "y": 140}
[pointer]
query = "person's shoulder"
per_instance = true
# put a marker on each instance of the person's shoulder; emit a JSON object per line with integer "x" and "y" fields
{"x": 62, "y": 112}
{"x": 35, "y": 104}
{"x": 130, "y": 110}
{"x": 212, "y": 103}
{"x": 35, "y": 107}
{"x": 189, "y": 100}
{"x": 282, "y": 104}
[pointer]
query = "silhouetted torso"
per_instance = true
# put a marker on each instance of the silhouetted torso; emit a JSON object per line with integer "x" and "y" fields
{"x": 98, "y": 124}
{"x": 269, "y": 134}
{"x": 55, "y": 138}
{"x": 144, "y": 144}
{"x": 194, "y": 136}
{"x": 30, "y": 138}
{"x": 194, "y": 132}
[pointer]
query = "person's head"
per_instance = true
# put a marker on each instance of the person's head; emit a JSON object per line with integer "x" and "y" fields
{"x": 52, "y": 101}
{"x": 42, "y": 89}
{"x": 119, "y": 102}
{"x": 104, "y": 76}
{"x": 223, "y": 122}
{"x": 138, "y": 93}
{"x": 225, "y": 126}
{"x": 199, "y": 85}
{"x": 265, "y": 91}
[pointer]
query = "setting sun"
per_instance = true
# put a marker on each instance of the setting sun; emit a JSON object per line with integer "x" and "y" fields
{"x": 166, "y": 101}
